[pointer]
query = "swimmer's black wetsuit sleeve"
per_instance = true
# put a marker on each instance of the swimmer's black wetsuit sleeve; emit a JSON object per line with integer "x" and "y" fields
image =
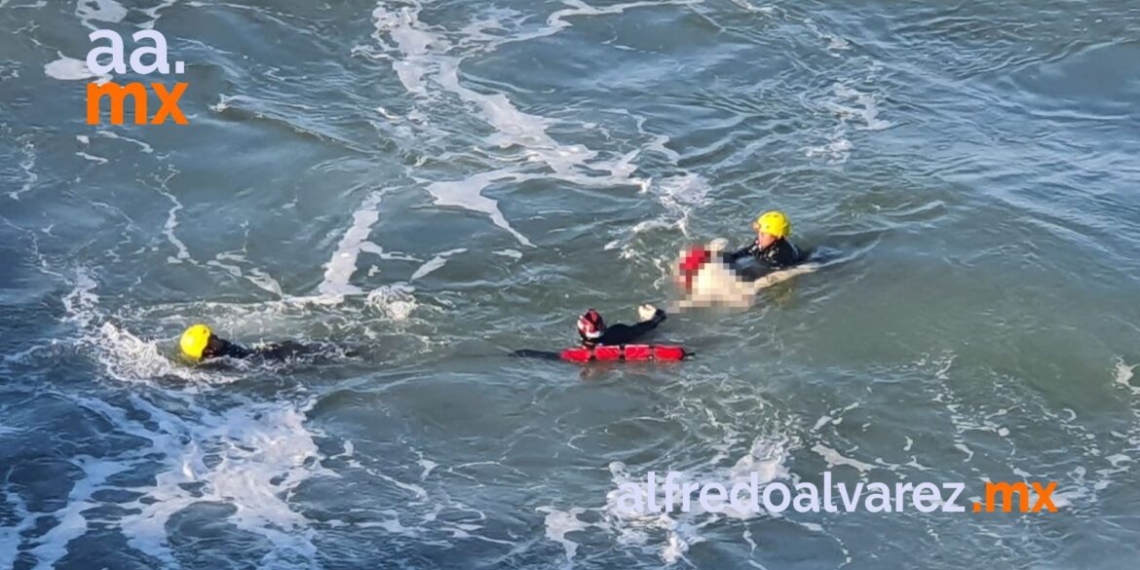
{"x": 779, "y": 255}
{"x": 614, "y": 335}
{"x": 278, "y": 351}
{"x": 543, "y": 354}
{"x": 227, "y": 349}
{"x": 281, "y": 350}
{"x": 628, "y": 334}
{"x": 749, "y": 250}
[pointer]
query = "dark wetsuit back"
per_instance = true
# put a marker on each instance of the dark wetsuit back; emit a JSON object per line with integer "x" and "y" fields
{"x": 614, "y": 335}
{"x": 627, "y": 334}
{"x": 781, "y": 254}
{"x": 221, "y": 348}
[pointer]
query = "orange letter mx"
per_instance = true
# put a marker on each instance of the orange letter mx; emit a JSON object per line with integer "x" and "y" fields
{"x": 119, "y": 93}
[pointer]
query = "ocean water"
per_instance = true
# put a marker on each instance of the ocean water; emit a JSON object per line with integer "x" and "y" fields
{"x": 429, "y": 185}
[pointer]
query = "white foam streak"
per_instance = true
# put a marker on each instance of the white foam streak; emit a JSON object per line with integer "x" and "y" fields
{"x": 838, "y": 148}
{"x": 560, "y": 523}
{"x": 259, "y": 278}
{"x": 79, "y": 304}
{"x": 752, "y": 8}
{"x": 1123, "y": 375}
{"x": 416, "y": 491}
{"x": 28, "y": 165}
{"x": 467, "y": 194}
{"x": 679, "y": 194}
{"x": 393, "y": 301}
{"x": 265, "y": 281}
{"x": 92, "y": 157}
{"x": 129, "y": 358}
{"x": 108, "y": 11}
{"x": 834, "y": 458}
{"x": 124, "y": 356}
{"x": 411, "y": 40}
{"x": 515, "y": 127}
{"x": 437, "y": 262}
{"x": 71, "y": 522}
{"x": 424, "y": 59}
{"x": 557, "y": 20}
{"x": 339, "y": 269}
{"x": 10, "y": 535}
{"x": 152, "y": 13}
{"x": 146, "y": 148}
{"x": 428, "y": 466}
{"x": 71, "y": 69}
{"x": 834, "y": 43}
{"x": 265, "y": 452}
{"x": 171, "y": 224}
{"x": 867, "y": 110}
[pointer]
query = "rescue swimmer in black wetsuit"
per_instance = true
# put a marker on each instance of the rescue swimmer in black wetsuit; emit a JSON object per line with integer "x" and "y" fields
{"x": 771, "y": 251}
{"x": 593, "y": 332}
{"x": 199, "y": 344}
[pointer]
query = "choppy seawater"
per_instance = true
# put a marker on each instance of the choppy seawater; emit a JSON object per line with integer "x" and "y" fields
{"x": 433, "y": 183}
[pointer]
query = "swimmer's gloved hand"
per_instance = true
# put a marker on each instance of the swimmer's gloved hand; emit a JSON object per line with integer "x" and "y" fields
{"x": 646, "y": 312}
{"x": 717, "y": 245}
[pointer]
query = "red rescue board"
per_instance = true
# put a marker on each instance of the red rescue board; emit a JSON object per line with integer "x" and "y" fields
{"x": 625, "y": 352}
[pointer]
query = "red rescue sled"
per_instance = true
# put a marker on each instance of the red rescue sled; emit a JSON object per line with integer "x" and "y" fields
{"x": 632, "y": 352}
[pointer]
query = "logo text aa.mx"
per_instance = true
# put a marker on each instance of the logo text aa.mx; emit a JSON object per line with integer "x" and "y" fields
{"x": 137, "y": 91}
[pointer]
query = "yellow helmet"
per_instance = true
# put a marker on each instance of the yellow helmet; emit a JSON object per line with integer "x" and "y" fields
{"x": 773, "y": 223}
{"x": 194, "y": 341}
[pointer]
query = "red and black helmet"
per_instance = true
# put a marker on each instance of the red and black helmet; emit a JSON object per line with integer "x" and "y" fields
{"x": 591, "y": 326}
